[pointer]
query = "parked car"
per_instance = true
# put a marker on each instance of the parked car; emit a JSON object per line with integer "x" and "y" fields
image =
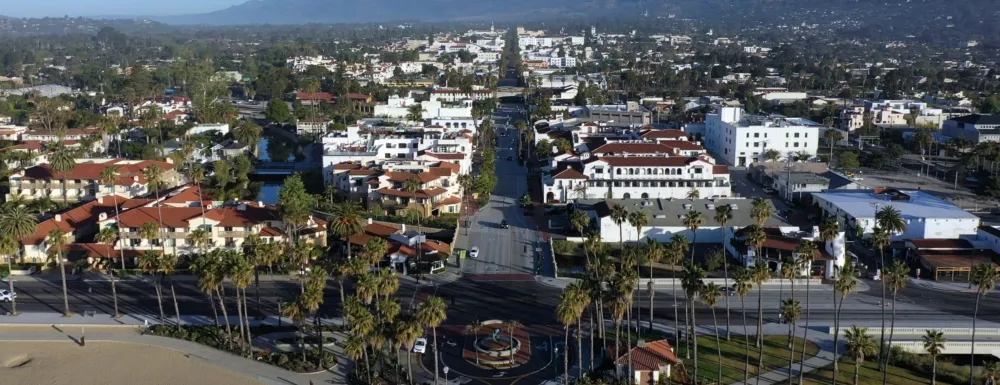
{"x": 7, "y": 296}
{"x": 504, "y": 224}
{"x": 420, "y": 346}
{"x": 770, "y": 190}
{"x": 474, "y": 252}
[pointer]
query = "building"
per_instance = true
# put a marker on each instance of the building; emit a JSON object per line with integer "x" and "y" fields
{"x": 57, "y": 136}
{"x": 404, "y": 245}
{"x": 83, "y": 181}
{"x": 199, "y": 129}
{"x": 650, "y": 361}
{"x": 312, "y": 126}
{"x": 740, "y": 139}
{"x": 79, "y": 222}
{"x": 974, "y": 128}
{"x": 629, "y": 113}
{"x": 399, "y": 108}
{"x": 926, "y": 216}
{"x": 952, "y": 257}
{"x": 455, "y": 95}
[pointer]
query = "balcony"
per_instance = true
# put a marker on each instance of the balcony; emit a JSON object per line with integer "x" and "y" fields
{"x": 234, "y": 234}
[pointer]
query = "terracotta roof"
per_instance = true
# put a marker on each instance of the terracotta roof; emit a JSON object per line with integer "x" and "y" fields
{"x": 446, "y": 156}
{"x": 454, "y": 167}
{"x": 346, "y": 166}
{"x": 720, "y": 169}
{"x": 664, "y": 134}
{"x": 314, "y": 96}
{"x": 570, "y": 173}
{"x": 649, "y": 357}
{"x": 271, "y": 232}
{"x": 73, "y": 219}
{"x": 231, "y": 216}
{"x": 136, "y": 202}
{"x": 364, "y": 172}
{"x": 451, "y": 200}
{"x": 357, "y": 96}
{"x": 172, "y": 216}
{"x": 957, "y": 259}
{"x": 402, "y": 177}
{"x": 92, "y": 171}
{"x": 633, "y": 148}
{"x": 948, "y": 244}
{"x": 189, "y": 195}
{"x": 682, "y": 145}
{"x": 440, "y": 171}
{"x": 654, "y": 161}
{"x": 419, "y": 194}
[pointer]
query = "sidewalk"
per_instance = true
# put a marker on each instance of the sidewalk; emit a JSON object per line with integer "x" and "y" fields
{"x": 946, "y": 286}
{"x": 562, "y": 283}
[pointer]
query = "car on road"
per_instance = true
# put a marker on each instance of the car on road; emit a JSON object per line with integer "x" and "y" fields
{"x": 770, "y": 190}
{"x": 474, "y": 252}
{"x": 7, "y": 296}
{"x": 420, "y": 346}
{"x": 504, "y": 224}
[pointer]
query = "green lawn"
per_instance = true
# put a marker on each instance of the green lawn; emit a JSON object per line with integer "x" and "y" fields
{"x": 870, "y": 375}
{"x": 734, "y": 353}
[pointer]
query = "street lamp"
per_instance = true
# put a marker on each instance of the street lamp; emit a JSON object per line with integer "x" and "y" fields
{"x": 446, "y": 369}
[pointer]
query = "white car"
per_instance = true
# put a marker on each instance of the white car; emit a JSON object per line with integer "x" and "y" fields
{"x": 7, "y": 296}
{"x": 420, "y": 346}
{"x": 474, "y": 253}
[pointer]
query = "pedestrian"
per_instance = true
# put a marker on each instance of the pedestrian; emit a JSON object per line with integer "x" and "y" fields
{"x": 780, "y": 318}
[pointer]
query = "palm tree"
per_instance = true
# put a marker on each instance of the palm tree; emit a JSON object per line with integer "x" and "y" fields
{"x": 985, "y": 277}
{"x": 149, "y": 263}
{"x": 109, "y": 236}
{"x": 62, "y": 162}
{"x": 57, "y": 241}
{"x": 934, "y": 344}
{"x": 581, "y": 293}
{"x": 761, "y": 210}
{"x": 407, "y": 332}
{"x": 744, "y": 283}
{"x": 108, "y": 177}
{"x": 168, "y": 264}
{"x": 691, "y": 280}
{"x": 580, "y": 221}
{"x": 832, "y": 136}
{"x": 475, "y": 327}
{"x": 761, "y": 274}
{"x": 693, "y": 220}
{"x": 711, "y": 298}
{"x": 17, "y": 223}
{"x": 881, "y": 239}
{"x": 9, "y": 247}
{"x": 675, "y": 254}
{"x": 722, "y": 216}
{"x": 431, "y": 314}
{"x": 805, "y": 252}
{"x": 355, "y": 348}
{"x": 619, "y": 215}
{"x": 347, "y": 222}
{"x": 207, "y": 269}
{"x": 896, "y": 278}
{"x": 859, "y": 346}
{"x": 154, "y": 176}
{"x": 566, "y": 312}
{"x": 638, "y": 219}
{"x": 846, "y": 283}
{"x": 654, "y": 253}
{"x": 791, "y": 310}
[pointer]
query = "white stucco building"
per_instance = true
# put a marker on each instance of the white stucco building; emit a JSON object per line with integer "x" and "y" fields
{"x": 740, "y": 139}
{"x": 926, "y": 216}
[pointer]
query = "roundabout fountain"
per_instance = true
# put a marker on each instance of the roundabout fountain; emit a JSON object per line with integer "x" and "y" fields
{"x": 498, "y": 350}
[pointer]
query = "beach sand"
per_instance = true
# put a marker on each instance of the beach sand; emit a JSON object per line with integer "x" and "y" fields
{"x": 106, "y": 363}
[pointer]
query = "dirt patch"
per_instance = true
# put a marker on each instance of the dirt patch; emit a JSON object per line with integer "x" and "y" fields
{"x": 18, "y": 362}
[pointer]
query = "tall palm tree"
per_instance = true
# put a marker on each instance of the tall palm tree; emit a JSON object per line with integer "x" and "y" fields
{"x": 859, "y": 346}
{"x": 693, "y": 285}
{"x": 407, "y": 332}
{"x": 580, "y": 221}
{"x": 9, "y": 247}
{"x": 791, "y": 310}
{"x": 581, "y": 293}
{"x": 149, "y": 263}
{"x": 832, "y": 136}
{"x": 805, "y": 252}
{"x": 347, "y": 222}
{"x": 711, "y": 298}
{"x": 355, "y": 348}
{"x": 896, "y": 278}
{"x": 431, "y": 314}
{"x": 154, "y": 177}
{"x": 880, "y": 240}
{"x": 744, "y": 283}
{"x": 761, "y": 210}
{"x": 985, "y": 277}
{"x": 692, "y": 221}
{"x": 17, "y": 223}
{"x": 761, "y": 274}
{"x": 475, "y": 327}
{"x": 240, "y": 271}
{"x": 654, "y": 253}
{"x": 619, "y": 215}
{"x": 109, "y": 236}
{"x": 57, "y": 241}
{"x": 638, "y": 219}
{"x": 566, "y": 313}
{"x": 168, "y": 265}
{"x": 62, "y": 161}
{"x": 846, "y": 283}
{"x": 723, "y": 214}
{"x": 934, "y": 344}
{"x": 675, "y": 254}
{"x": 108, "y": 177}
{"x": 206, "y": 269}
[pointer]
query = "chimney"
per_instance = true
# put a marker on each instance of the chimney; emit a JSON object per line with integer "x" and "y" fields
{"x": 58, "y": 218}
{"x": 260, "y": 203}
{"x": 100, "y": 198}
{"x": 369, "y": 221}
{"x": 404, "y": 228}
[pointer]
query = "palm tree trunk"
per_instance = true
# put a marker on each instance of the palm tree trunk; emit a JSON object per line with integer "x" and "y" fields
{"x": 791, "y": 354}
{"x": 434, "y": 334}
{"x": 805, "y": 333}
{"x": 591, "y": 328}
{"x": 673, "y": 293}
{"x": 725, "y": 269}
{"x": 409, "y": 367}
{"x": 159, "y": 300}
{"x": 791, "y": 332}
{"x": 177, "y": 310}
{"x": 13, "y": 299}
{"x": 972, "y": 353}
{"x": 215, "y": 312}
{"x": 882, "y": 352}
{"x": 225, "y": 313}
{"x": 857, "y": 370}
{"x": 718, "y": 344}
{"x": 694, "y": 340}
{"x": 342, "y": 300}
{"x": 617, "y": 335}
{"x": 566, "y": 357}
{"x": 239, "y": 319}
{"x": 934, "y": 369}
{"x": 836, "y": 336}
{"x": 62, "y": 274}
{"x": 760, "y": 315}
{"x": 579, "y": 347}
{"x": 746, "y": 342}
{"x": 651, "y": 293}
{"x": 687, "y": 330}
{"x": 256, "y": 288}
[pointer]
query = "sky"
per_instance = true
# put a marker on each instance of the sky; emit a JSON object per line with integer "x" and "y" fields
{"x": 59, "y": 8}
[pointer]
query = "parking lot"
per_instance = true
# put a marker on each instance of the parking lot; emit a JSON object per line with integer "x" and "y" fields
{"x": 905, "y": 179}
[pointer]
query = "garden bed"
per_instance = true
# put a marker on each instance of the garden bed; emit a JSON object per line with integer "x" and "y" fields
{"x": 215, "y": 337}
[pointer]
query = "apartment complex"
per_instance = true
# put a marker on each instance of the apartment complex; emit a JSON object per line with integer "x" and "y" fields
{"x": 740, "y": 139}
{"x": 974, "y": 128}
{"x": 83, "y": 181}
{"x": 437, "y": 189}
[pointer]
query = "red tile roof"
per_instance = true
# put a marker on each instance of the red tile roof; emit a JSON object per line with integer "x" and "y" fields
{"x": 73, "y": 219}
{"x": 314, "y": 96}
{"x": 947, "y": 244}
{"x": 402, "y": 177}
{"x": 652, "y": 161}
{"x": 720, "y": 169}
{"x": 446, "y": 156}
{"x": 664, "y": 134}
{"x": 682, "y": 145}
{"x": 419, "y": 194}
{"x": 633, "y": 148}
{"x": 570, "y": 173}
{"x": 92, "y": 171}
{"x": 649, "y": 357}
{"x": 451, "y": 200}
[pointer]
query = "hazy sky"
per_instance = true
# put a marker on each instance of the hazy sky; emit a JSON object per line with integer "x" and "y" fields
{"x": 59, "y": 8}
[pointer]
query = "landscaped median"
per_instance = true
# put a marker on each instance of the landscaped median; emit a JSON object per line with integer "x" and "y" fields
{"x": 315, "y": 359}
{"x": 734, "y": 355}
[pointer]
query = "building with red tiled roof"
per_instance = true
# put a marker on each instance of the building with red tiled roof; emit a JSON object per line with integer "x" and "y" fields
{"x": 648, "y": 360}
{"x": 79, "y": 222}
{"x": 403, "y": 243}
{"x": 83, "y": 181}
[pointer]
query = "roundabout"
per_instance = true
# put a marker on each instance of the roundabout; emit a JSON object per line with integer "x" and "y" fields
{"x": 497, "y": 353}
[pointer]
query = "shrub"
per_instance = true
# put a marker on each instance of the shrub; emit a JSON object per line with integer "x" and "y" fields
{"x": 564, "y": 247}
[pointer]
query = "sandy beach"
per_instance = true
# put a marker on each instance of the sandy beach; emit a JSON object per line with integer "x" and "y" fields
{"x": 106, "y": 363}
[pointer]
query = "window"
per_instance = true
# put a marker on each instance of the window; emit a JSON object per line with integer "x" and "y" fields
{"x": 786, "y": 134}
{"x": 756, "y": 144}
{"x": 756, "y": 135}
{"x": 796, "y": 134}
{"x": 697, "y": 171}
{"x": 598, "y": 171}
{"x": 618, "y": 171}
{"x": 796, "y": 144}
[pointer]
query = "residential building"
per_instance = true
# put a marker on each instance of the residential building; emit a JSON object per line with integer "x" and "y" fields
{"x": 62, "y": 135}
{"x": 740, "y": 139}
{"x": 371, "y": 145}
{"x": 926, "y": 216}
{"x": 79, "y": 222}
{"x": 648, "y": 361}
{"x": 455, "y": 95}
{"x": 404, "y": 245}
{"x": 438, "y": 189}
{"x": 198, "y": 129}
{"x": 852, "y": 118}
{"x": 312, "y": 126}
{"x": 974, "y": 128}
{"x": 83, "y": 181}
